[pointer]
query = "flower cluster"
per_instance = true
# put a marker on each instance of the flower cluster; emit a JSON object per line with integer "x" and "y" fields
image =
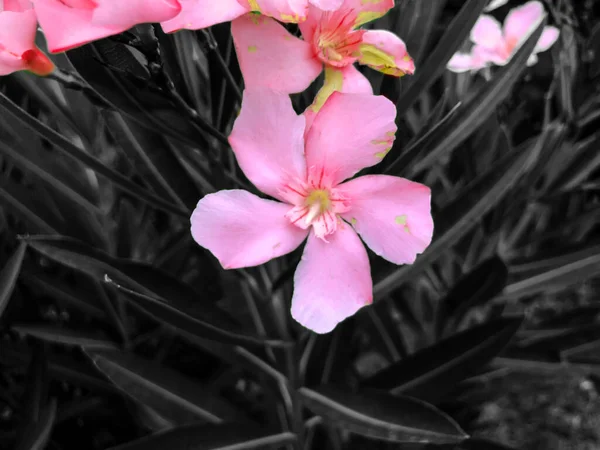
{"x": 305, "y": 163}
{"x": 494, "y": 44}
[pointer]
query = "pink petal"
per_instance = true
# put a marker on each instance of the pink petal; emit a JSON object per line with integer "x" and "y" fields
{"x": 269, "y": 56}
{"x": 368, "y": 10}
{"x": 293, "y": 11}
{"x": 461, "y": 62}
{"x": 66, "y": 28}
{"x": 126, "y": 14}
{"x": 521, "y": 21}
{"x": 196, "y": 14}
{"x": 332, "y": 281}
{"x": 243, "y": 230}
{"x": 268, "y": 140}
{"x": 350, "y": 132}
{"x": 354, "y": 82}
{"x": 327, "y": 5}
{"x": 487, "y": 32}
{"x": 347, "y": 79}
{"x": 391, "y": 214}
{"x": 17, "y": 31}
{"x": 15, "y": 5}
{"x": 386, "y": 52}
{"x": 547, "y": 39}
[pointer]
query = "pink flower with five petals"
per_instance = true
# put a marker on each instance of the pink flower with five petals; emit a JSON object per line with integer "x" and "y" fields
{"x": 18, "y": 26}
{"x": 495, "y": 44}
{"x": 269, "y": 56}
{"x": 70, "y": 23}
{"x": 306, "y": 171}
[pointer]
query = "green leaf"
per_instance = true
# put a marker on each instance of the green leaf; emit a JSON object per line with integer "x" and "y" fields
{"x": 427, "y": 73}
{"x": 9, "y": 274}
{"x": 382, "y": 416}
{"x": 171, "y": 394}
{"x": 74, "y": 152}
{"x": 63, "y": 336}
{"x": 463, "y": 213}
{"x": 430, "y": 373}
{"x": 211, "y": 437}
{"x": 476, "y": 111}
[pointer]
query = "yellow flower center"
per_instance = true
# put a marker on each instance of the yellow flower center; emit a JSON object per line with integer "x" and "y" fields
{"x": 318, "y": 202}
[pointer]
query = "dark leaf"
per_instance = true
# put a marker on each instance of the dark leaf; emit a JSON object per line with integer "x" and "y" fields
{"x": 430, "y": 373}
{"x": 189, "y": 326}
{"x": 74, "y": 152}
{"x": 9, "y": 274}
{"x": 38, "y": 433}
{"x": 382, "y": 416}
{"x": 463, "y": 213}
{"x": 477, "y": 287}
{"x": 448, "y": 44}
{"x": 475, "y": 112}
{"x": 57, "y": 335}
{"x": 205, "y": 437}
{"x": 169, "y": 393}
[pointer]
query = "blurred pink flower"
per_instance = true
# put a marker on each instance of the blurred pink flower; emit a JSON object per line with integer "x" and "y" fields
{"x": 305, "y": 170}
{"x": 70, "y": 23}
{"x": 18, "y": 51}
{"x": 497, "y": 45}
{"x": 270, "y": 56}
{"x": 196, "y": 14}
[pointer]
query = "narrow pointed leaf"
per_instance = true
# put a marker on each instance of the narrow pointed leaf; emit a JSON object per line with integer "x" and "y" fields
{"x": 382, "y": 416}
{"x": 468, "y": 209}
{"x": 211, "y": 437}
{"x": 449, "y": 43}
{"x": 430, "y": 373}
{"x": 74, "y": 152}
{"x": 9, "y": 274}
{"x": 57, "y": 335}
{"x": 38, "y": 433}
{"x": 475, "y": 112}
{"x": 171, "y": 394}
{"x": 156, "y": 292}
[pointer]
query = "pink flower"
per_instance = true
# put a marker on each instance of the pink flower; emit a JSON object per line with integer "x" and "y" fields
{"x": 497, "y": 45}
{"x": 70, "y": 23}
{"x": 305, "y": 171}
{"x": 271, "y": 57}
{"x": 18, "y": 51}
{"x": 196, "y": 14}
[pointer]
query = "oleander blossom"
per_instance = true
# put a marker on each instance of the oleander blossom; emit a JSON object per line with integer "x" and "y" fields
{"x": 18, "y": 26}
{"x": 71, "y": 23}
{"x": 271, "y": 57}
{"x": 306, "y": 170}
{"x": 197, "y": 14}
{"x": 495, "y": 44}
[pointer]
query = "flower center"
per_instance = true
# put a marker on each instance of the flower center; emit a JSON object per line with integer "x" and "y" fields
{"x": 335, "y": 41}
{"x": 316, "y": 206}
{"x": 317, "y": 202}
